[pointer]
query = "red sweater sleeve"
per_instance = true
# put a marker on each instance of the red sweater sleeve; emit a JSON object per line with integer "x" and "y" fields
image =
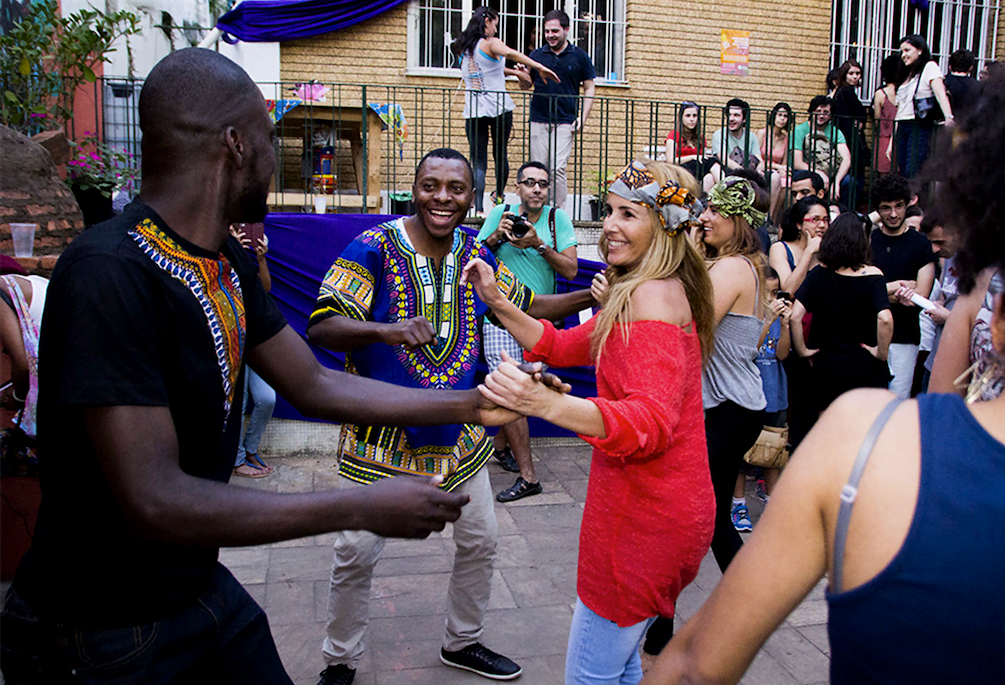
{"x": 563, "y": 349}
{"x": 648, "y": 378}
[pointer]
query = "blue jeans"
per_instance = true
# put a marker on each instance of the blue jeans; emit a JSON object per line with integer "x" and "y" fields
{"x": 220, "y": 636}
{"x": 265, "y": 401}
{"x": 601, "y": 652}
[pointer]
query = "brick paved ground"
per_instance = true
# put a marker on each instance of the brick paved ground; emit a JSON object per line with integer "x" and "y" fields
{"x": 533, "y": 586}
{"x": 532, "y": 596}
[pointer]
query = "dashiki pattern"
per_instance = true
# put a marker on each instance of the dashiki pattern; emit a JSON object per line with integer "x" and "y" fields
{"x": 380, "y": 277}
{"x": 215, "y": 285}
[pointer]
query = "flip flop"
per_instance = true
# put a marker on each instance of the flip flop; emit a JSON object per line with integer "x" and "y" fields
{"x": 251, "y": 471}
{"x": 255, "y": 461}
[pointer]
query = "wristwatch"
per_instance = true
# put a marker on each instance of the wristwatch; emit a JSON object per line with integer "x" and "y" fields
{"x": 541, "y": 249}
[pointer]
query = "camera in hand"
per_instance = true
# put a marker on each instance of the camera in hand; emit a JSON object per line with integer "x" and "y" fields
{"x": 782, "y": 295}
{"x": 520, "y": 226}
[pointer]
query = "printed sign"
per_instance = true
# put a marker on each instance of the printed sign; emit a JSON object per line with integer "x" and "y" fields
{"x": 735, "y": 52}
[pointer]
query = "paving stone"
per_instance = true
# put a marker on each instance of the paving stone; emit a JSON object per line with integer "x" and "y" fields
{"x": 512, "y": 550}
{"x": 810, "y": 612}
{"x": 250, "y": 575}
{"x": 817, "y": 634}
{"x": 307, "y": 562}
{"x": 576, "y": 488}
{"x": 244, "y": 556}
{"x": 522, "y": 633}
{"x": 288, "y": 602}
{"x": 546, "y": 518}
{"x": 532, "y": 588}
{"x": 409, "y": 595}
{"x": 765, "y": 670}
{"x": 566, "y": 469}
{"x": 501, "y": 597}
{"x": 416, "y": 548}
{"x": 434, "y": 562}
{"x": 797, "y": 655}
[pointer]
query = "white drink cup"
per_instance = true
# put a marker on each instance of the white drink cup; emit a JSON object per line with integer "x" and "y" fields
{"x": 24, "y": 239}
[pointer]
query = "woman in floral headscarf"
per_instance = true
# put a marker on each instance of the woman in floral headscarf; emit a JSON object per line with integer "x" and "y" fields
{"x": 731, "y": 384}
{"x": 649, "y": 504}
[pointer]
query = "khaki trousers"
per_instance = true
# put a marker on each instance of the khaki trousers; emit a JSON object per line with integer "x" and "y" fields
{"x": 551, "y": 144}
{"x": 356, "y": 555}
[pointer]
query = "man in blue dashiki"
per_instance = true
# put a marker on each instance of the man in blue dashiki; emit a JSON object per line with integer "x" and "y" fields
{"x": 394, "y": 303}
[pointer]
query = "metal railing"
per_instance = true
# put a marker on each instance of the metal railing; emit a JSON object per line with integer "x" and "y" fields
{"x": 344, "y": 136}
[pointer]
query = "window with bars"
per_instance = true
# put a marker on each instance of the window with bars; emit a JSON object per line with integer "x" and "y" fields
{"x": 869, "y": 31}
{"x": 597, "y": 26}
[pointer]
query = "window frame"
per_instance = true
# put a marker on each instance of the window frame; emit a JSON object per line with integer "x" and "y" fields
{"x": 413, "y": 68}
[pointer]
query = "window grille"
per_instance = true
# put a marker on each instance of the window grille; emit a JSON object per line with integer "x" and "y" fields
{"x": 597, "y": 26}
{"x": 868, "y": 31}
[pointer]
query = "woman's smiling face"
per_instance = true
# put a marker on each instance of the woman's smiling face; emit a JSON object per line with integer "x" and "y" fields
{"x": 628, "y": 231}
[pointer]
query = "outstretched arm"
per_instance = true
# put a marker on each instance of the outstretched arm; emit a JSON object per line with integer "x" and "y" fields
{"x": 288, "y": 365}
{"x": 137, "y": 448}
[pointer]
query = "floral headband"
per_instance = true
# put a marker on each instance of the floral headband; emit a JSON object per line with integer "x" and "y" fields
{"x": 676, "y": 207}
{"x": 735, "y": 196}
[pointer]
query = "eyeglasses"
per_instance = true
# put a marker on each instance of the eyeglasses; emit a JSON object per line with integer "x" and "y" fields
{"x": 531, "y": 182}
{"x": 815, "y": 219}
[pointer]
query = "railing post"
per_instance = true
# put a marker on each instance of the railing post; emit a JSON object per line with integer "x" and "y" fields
{"x": 366, "y": 151}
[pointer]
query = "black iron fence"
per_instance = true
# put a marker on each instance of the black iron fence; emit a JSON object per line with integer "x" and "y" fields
{"x": 354, "y": 147}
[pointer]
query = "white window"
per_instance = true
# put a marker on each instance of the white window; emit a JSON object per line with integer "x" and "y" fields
{"x": 868, "y": 31}
{"x": 597, "y": 26}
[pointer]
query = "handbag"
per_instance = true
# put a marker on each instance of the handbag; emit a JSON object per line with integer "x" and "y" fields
{"x": 771, "y": 451}
{"x": 927, "y": 110}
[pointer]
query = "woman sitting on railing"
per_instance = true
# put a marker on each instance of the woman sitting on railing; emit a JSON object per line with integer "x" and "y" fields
{"x": 487, "y": 106}
{"x": 774, "y": 141}
{"x": 685, "y": 144}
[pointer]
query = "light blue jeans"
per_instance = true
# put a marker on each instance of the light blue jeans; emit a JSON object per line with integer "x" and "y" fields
{"x": 601, "y": 652}
{"x": 253, "y": 426}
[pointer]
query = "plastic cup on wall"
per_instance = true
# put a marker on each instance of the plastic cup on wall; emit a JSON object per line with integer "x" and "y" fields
{"x": 24, "y": 239}
{"x": 319, "y": 204}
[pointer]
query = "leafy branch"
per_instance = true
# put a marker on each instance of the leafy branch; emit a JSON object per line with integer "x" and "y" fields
{"x": 45, "y": 57}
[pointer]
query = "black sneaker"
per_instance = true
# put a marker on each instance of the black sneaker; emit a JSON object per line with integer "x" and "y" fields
{"x": 519, "y": 490}
{"x": 507, "y": 460}
{"x": 339, "y": 674}
{"x": 479, "y": 659}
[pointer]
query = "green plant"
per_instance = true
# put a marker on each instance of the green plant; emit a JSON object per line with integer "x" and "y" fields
{"x": 100, "y": 167}
{"x": 600, "y": 181}
{"x": 45, "y": 57}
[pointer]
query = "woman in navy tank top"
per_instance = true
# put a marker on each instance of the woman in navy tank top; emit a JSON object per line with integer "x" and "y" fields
{"x": 899, "y": 503}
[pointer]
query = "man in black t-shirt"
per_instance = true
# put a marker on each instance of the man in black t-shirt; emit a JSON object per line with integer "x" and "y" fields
{"x": 149, "y": 322}
{"x": 905, "y": 257}
{"x": 554, "y": 108}
{"x": 960, "y": 82}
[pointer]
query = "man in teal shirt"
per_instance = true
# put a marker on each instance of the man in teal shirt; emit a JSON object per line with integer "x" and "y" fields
{"x": 820, "y": 146}
{"x": 535, "y": 257}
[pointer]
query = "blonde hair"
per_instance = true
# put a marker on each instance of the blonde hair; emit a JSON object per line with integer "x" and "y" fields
{"x": 667, "y": 256}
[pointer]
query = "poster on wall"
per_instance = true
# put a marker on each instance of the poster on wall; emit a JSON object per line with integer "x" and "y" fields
{"x": 735, "y": 52}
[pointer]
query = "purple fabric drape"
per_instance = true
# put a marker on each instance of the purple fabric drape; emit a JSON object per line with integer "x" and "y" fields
{"x": 303, "y": 246}
{"x": 270, "y": 21}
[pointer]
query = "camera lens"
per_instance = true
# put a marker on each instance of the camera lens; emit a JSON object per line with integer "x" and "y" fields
{"x": 520, "y": 227}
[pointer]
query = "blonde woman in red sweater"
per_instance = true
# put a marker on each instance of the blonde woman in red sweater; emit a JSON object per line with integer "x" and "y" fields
{"x": 649, "y": 505}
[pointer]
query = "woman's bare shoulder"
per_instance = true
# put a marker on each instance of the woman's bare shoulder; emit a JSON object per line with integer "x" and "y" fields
{"x": 661, "y": 300}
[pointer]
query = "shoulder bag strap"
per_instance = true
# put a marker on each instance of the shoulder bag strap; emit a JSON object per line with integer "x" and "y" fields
{"x": 850, "y": 491}
{"x": 554, "y": 240}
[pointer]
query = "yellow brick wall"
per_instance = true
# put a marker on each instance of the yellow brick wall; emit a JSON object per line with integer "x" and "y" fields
{"x": 1000, "y": 47}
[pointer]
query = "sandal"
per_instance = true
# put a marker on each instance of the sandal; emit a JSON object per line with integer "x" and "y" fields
{"x": 247, "y": 470}
{"x": 255, "y": 461}
{"x": 519, "y": 490}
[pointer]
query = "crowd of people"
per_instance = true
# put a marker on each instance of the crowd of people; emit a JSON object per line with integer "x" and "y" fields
{"x": 707, "y": 333}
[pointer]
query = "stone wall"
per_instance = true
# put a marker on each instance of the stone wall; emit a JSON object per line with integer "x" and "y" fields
{"x": 32, "y": 192}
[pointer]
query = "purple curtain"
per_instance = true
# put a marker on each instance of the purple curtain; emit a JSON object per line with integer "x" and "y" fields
{"x": 303, "y": 246}
{"x": 269, "y": 21}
